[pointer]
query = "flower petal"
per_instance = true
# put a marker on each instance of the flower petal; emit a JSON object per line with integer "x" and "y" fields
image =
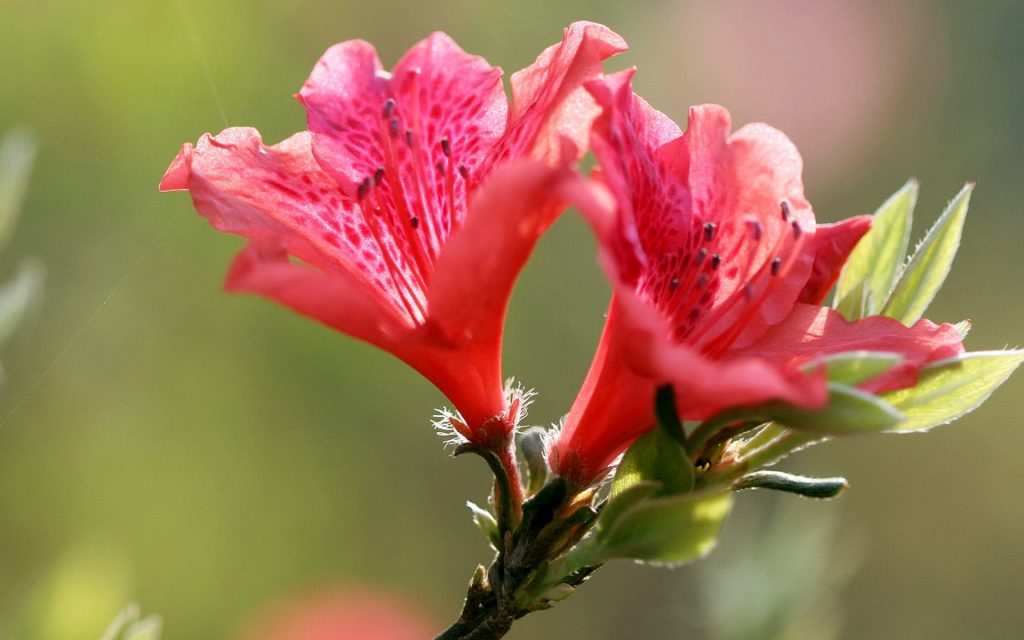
{"x": 832, "y": 245}
{"x": 811, "y": 332}
{"x": 549, "y": 102}
{"x": 279, "y": 196}
{"x": 411, "y": 143}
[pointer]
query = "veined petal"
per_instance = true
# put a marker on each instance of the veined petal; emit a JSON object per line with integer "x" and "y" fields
{"x": 811, "y": 332}
{"x": 279, "y": 196}
{"x": 409, "y": 144}
{"x": 832, "y": 246}
{"x": 549, "y": 102}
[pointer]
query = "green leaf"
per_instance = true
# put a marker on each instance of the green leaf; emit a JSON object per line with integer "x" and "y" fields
{"x": 952, "y": 388}
{"x": 849, "y": 410}
{"x": 668, "y": 530}
{"x": 871, "y": 269}
{"x": 854, "y": 367}
{"x": 655, "y": 457}
{"x": 17, "y": 151}
{"x": 930, "y": 264}
{"x": 17, "y": 297}
{"x": 819, "y": 488}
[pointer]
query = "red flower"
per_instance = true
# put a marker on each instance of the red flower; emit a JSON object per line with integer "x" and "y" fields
{"x": 345, "y": 614}
{"x": 714, "y": 256}
{"x": 412, "y": 202}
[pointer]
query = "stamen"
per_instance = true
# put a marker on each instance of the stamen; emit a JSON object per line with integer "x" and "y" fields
{"x": 393, "y": 128}
{"x": 364, "y": 188}
{"x": 709, "y": 230}
{"x": 756, "y": 230}
{"x": 440, "y": 166}
{"x": 446, "y": 147}
{"x": 415, "y": 222}
{"x": 776, "y": 265}
{"x": 796, "y": 230}
{"x": 409, "y": 138}
{"x": 716, "y": 261}
{"x": 378, "y": 176}
{"x": 673, "y": 284}
{"x": 702, "y": 281}
{"x": 699, "y": 258}
{"x": 463, "y": 171}
{"x": 748, "y": 291}
{"x": 389, "y": 107}
{"x": 785, "y": 210}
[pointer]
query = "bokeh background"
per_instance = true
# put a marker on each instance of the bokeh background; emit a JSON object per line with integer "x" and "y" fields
{"x": 207, "y": 455}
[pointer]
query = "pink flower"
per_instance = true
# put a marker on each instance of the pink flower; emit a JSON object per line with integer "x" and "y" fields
{"x": 717, "y": 267}
{"x": 341, "y": 615}
{"x": 412, "y": 202}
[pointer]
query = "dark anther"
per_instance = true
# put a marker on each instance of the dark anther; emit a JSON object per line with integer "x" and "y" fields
{"x": 409, "y": 137}
{"x": 463, "y": 171}
{"x": 440, "y": 166}
{"x": 796, "y": 229}
{"x": 709, "y": 231}
{"x": 699, "y": 258}
{"x": 716, "y": 261}
{"x": 389, "y": 107}
{"x": 415, "y": 222}
{"x": 693, "y": 315}
{"x": 756, "y": 229}
{"x": 748, "y": 291}
{"x": 702, "y": 281}
{"x": 378, "y": 175}
{"x": 446, "y": 147}
{"x": 673, "y": 284}
{"x": 363, "y": 188}
{"x": 776, "y": 265}
{"x": 785, "y": 210}
{"x": 393, "y": 127}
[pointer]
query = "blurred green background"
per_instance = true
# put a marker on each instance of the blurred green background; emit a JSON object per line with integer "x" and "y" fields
{"x": 207, "y": 454}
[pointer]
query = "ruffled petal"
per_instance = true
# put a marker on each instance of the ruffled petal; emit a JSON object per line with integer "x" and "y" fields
{"x": 833, "y": 244}
{"x": 408, "y": 145}
{"x": 811, "y": 332}
{"x": 549, "y": 102}
{"x": 279, "y": 196}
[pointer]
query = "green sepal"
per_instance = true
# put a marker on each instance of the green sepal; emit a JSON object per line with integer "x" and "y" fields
{"x": 871, "y": 269}
{"x": 624, "y": 500}
{"x": 928, "y": 267}
{"x": 855, "y": 367}
{"x": 949, "y": 389}
{"x": 486, "y": 523}
{"x": 819, "y": 488}
{"x": 668, "y": 530}
{"x": 655, "y": 457}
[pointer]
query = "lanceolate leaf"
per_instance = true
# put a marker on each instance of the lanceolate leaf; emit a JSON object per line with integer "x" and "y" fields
{"x": 849, "y": 410}
{"x": 871, "y": 269}
{"x": 854, "y": 367}
{"x": 669, "y": 530}
{"x": 930, "y": 264}
{"x": 951, "y": 388}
